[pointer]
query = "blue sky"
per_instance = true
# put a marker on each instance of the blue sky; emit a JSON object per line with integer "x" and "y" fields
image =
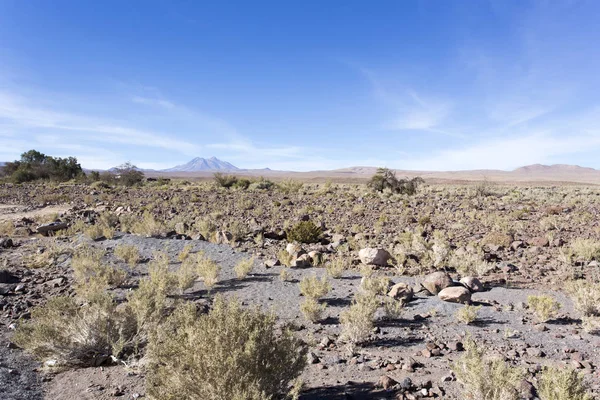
{"x": 426, "y": 85}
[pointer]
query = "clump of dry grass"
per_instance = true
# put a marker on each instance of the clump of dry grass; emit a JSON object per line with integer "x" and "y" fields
{"x": 562, "y": 384}
{"x": 484, "y": 378}
{"x": 544, "y": 307}
{"x": 467, "y": 314}
{"x": 312, "y": 309}
{"x": 336, "y": 267}
{"x": 87, "y": 265}
{"x": 314, "y": 288}
{"x": 375, "y": 285}
{"x": 235, "y": 353}
{"x": 586, "y": 296}
{"x": 7, "y": 228}
{"x": 304, "y": 232}
{"x": 74, "y": 334}
{"x": 148, "y": 226}
{"x": 208, "y": 270}
{"x": 243, "y": 268}
{"x": 285, "y": 258}
{"x": 586, "y": 249}
{"x": 128, "y": 253}
{"x": 357, "y": 320}
{"x": 185, "y": 253}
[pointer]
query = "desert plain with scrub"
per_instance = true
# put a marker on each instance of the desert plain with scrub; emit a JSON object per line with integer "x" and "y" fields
{"x": 260, "y": 289}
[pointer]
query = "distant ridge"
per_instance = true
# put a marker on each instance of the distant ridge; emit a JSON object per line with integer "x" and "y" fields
{"x": 554, "y": 168}
{"x": 202, "y": 164}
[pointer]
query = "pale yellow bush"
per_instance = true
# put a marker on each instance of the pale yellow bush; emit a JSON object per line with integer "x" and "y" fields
{"x": 128, "y": 253}
{"x": 235, "y": 353}
{"x": 336, "y": 267}
{"x": 314, "y": 288}
{"x": 467, "y": 314}
{"x": 483, "y": 378}
{"x": 243, "y": 268}
{"x": 312, "y": 309}
{"x": 208, "y": 270}
{"x": 357, "y": 321}
{"x": 562, "y": 384}
{"x": 544, "y": 307}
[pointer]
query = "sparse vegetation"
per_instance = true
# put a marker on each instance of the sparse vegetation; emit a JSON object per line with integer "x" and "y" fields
{"x": 386, "y": 179}
{"x": 544, "y": 307}
{"x": 129, "y": 254}
{"x": 486, "y": 378}
{"x": 244, "y": 267}
{"x": 314, "y": 288}
{"x": 562, "y": 384}
{"x": 467, "y": 314}
{"x": 304, "y": 232}
{"x": 357, "y": 321}
{"x": 218, "y": 349}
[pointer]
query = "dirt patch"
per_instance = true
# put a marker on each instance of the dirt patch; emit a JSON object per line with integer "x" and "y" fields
{"x": 16, "y": 212}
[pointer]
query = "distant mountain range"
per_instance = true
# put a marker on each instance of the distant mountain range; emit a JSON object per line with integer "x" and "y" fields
{"x": 203, "y": 164}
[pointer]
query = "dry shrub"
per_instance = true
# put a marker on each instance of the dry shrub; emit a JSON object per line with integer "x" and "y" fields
{"x": 392, "y": 307}
{"x": 148, "y": 226}
{"x": 284, "y": 275}
{"x": 149, "y": 302}
{"x": 87, "y": 265}
{"x": 497, "y": 239}
{"x": 285, "y": 258}
{"x": 562, "y": 384}
{"x": 544, "y": 307}
{"x": 586, "y": 249}
{"x": 314, "y": 288}
{"x": 186, "y": 275}
{"x": 208, "y": 270}
{"x": 243, "y": 268}
{"x": 489, "y": 379}
{"x": 185, "y": 253}
{"x": 229, "y": 353}
{"x": 586, "y": 296}
{"x": 206, "y": 227}
{"x": 375, "y": 285}
{"x": 467, "y": 314}
{"x": 336, "y": 267}
{"x": 312, "y": 309}
{"x": 7, "y": 228}
{"x": 357, "y": 321}
{"x": 128, "y": 253}
{"x": 94, "y": 232}
{"x": 290, "y": 186}
{"x": 72, "y": 334}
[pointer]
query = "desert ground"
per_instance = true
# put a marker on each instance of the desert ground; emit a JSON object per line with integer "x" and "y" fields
{"x": 387, "y": 292}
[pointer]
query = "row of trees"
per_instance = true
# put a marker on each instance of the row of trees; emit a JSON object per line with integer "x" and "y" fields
{"x": 35, "y": 165}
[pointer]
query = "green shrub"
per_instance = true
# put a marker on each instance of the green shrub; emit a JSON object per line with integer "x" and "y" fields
{"x": 225, "y": 181}
{"x": 304, "y": 232}
{"x": 385, "y": 178}
{"x": 229, "y": 353}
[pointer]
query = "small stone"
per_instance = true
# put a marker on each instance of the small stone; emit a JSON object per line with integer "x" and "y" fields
{"x": 386, "y": 382}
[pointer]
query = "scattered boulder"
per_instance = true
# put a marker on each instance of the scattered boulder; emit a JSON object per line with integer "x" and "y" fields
{"x": 386, "y": 382}
{"x": 472, "y": 283}
{"x": 51, "y": 227}
{"x": 401, "y": 291}
{"x": 455, "y": 294}
{"x": 437, "y": 281}
{"x": 371, "y": 256}
{"x": 539, "y": 241}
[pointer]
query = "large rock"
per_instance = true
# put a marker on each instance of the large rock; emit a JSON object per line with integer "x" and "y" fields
{"x": 51, "y": 227}
{"x": 401, "y": 291}
{"x": 472, "y": 283}
{"x": 437, "y": 281}
{"x": 371, "y": 256}
{"x": 455, "y": 294}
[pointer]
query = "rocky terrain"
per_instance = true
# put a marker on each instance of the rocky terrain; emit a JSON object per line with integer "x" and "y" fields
{"x": 491, "y": 247}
